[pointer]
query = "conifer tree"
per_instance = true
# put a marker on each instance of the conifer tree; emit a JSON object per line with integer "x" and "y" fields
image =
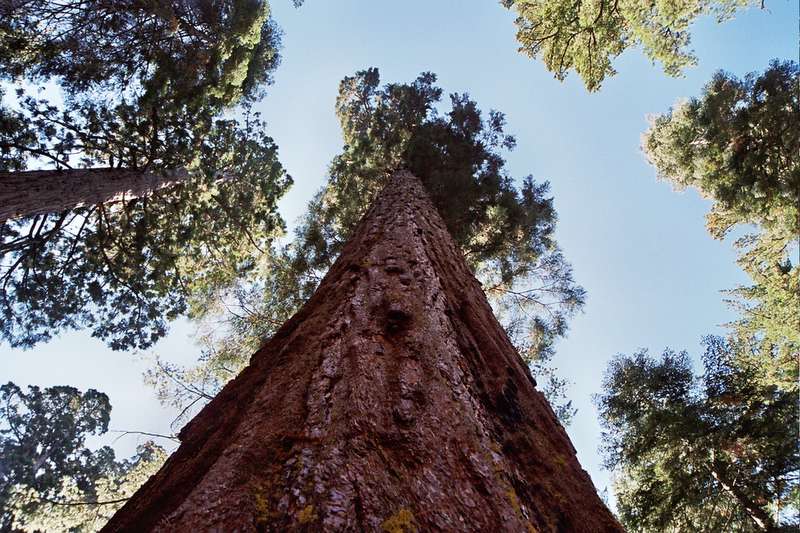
{"x": 138, "y": 215}
{"x": 125, "y": 269}
{"x": 715, "y": 452}
{"x": 49, "y": 478}
{"x": 737, "y": 145}
{"x": 392, "y": 400}
{"x": 504, "y": 228}
{"x": 719, "y": 451}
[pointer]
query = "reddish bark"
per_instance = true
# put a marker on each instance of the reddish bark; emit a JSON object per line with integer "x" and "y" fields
{"x": 37, "y": 192}
{"x": 392, "y": 401}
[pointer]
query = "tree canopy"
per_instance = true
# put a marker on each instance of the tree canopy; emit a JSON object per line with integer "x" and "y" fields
{"x": 715, "y": 452}
{"x": 126, "y": 269}
{"x": 587, "y": 36}
{"x": 505, "y": 232}
{"x": 49, "y": 478}
{"x": 718, "y": 452}
{"x": 190, "y": 50}
{"x": 737, "y": 145}
{"x": 151, "y": 102}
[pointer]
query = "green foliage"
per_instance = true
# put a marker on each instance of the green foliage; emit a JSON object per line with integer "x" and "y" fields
{"x": 716, "y": 452}
{"x": 719, "y": 452}
{"x": 49, "y": 479}
{"x": 72, "y": 510}
{"x": 505, "y": 233}
{"x": 456, "y": 156}
{"x": 737, "y": 145}
{"x": 190, "y": 50}
{"x": 144, "y": 85}
{"x": 11, "y": 157}
{"x": 125, "y": 269}
{"x": 587, "y": 35}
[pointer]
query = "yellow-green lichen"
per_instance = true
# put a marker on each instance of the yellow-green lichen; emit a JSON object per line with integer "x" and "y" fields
{"x": 400, "y": 522}
{"x": 513, "y": 499}
{"x": 307, "y": 515}
{"x": 261, "y": 504}
{"x": 264, "y": 511}
{"x": 298, "y": 464}
{"x": 511, "y": 494}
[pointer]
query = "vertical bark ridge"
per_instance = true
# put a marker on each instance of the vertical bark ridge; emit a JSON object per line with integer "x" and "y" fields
{"x": 392, "y": 401}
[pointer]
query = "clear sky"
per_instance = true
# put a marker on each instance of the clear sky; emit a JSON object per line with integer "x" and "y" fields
{"x": 652, "y": 273}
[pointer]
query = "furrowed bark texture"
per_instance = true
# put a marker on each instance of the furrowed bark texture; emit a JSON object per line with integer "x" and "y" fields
{"x": 392, "y": 401}
{"x": 37, "y": 192}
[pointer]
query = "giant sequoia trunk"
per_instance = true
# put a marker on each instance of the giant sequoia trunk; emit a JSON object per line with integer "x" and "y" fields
{"x": 38, "y": 192}
{"x": 392, "y": 400}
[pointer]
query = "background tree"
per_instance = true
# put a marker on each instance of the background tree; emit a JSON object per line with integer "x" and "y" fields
{"x": 717, "y": 452}
{"x": 586, "y": 36}
{"x": 150, "y": 102}
{"x": 737, "y": 145}
{"x": 126, "y": 269}
{"x": 49, "y": 479}
{"x": 192, "y": 50}
{"x": 505, "y": 232}
{"x": 195, "y": 57}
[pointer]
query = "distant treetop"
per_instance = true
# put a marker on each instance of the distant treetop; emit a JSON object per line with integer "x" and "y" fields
{"x": 587, "y": 36}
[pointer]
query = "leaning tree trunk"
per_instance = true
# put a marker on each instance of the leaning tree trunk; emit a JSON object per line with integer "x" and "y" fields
{"x": 759, "y": 516}
{"x": 37, "y": 192}
{"x": 393, "y": 400}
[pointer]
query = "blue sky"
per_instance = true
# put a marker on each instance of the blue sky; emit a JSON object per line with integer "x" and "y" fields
{"x": 652, "y": 273}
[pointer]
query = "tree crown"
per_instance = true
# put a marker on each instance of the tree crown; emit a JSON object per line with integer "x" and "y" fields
{"x": 587, "y": 36}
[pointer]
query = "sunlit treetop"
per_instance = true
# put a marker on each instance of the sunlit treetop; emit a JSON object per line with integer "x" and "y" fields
{"x": 458, "y": 157}
{"x": 192, "y": 50}
{"x": 586, "y": 36}
{"x": 737, "y": 145}
{"x": 505, "y": 229}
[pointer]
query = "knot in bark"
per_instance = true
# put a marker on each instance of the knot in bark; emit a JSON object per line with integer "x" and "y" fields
{"x": 398, "y": 318}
